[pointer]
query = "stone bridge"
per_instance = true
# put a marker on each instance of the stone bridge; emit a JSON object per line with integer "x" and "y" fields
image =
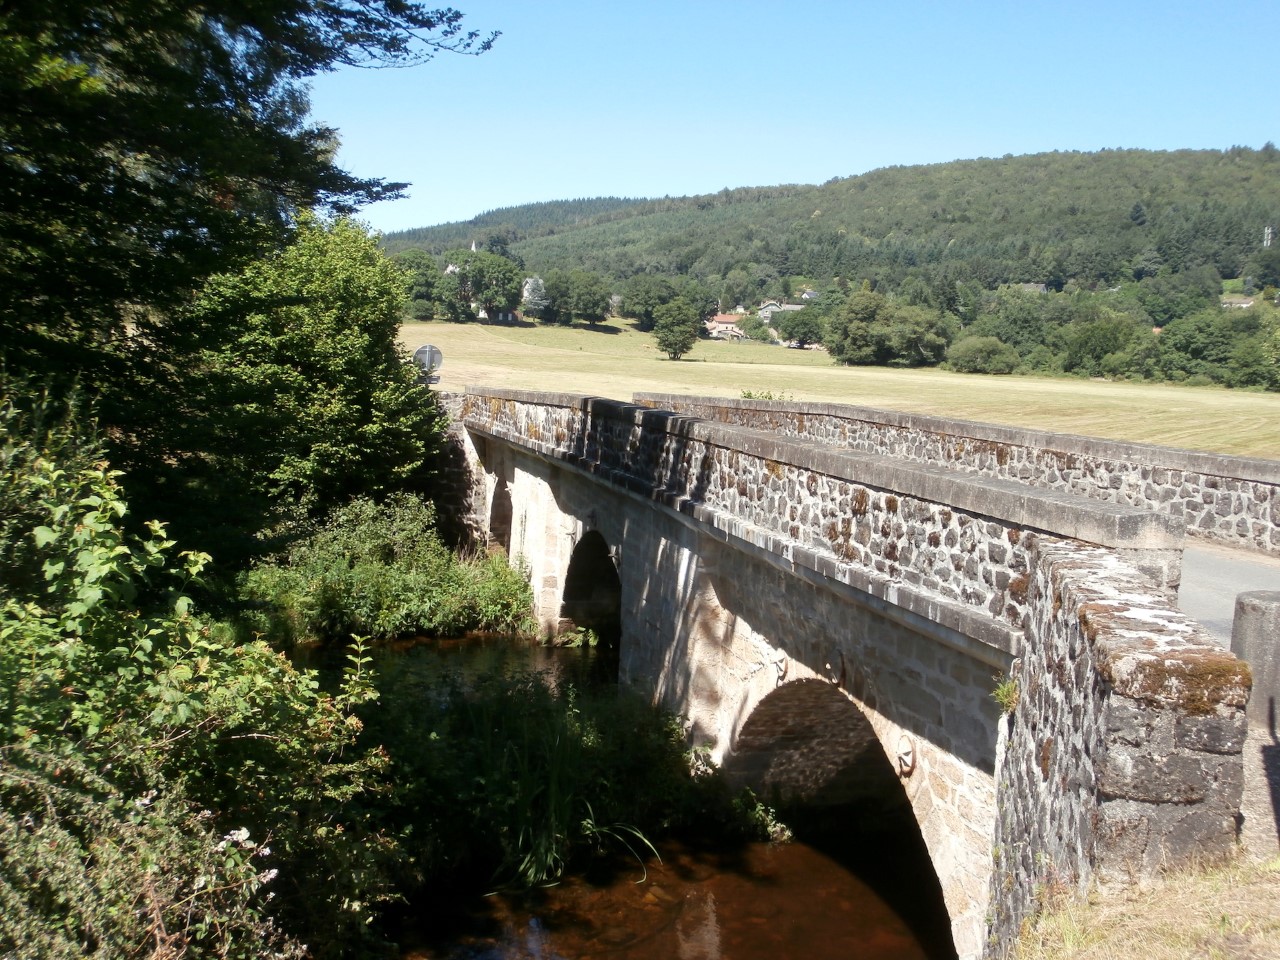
{"x": 832, "y": 608}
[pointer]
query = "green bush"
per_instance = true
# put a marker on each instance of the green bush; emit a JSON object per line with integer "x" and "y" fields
{"x": 122, "y": 717}
{"x": 381, "y": 571}
{"x": 90, "y": 870}
{"x": 33, "y": 426}
{"x": 982, "y": 355}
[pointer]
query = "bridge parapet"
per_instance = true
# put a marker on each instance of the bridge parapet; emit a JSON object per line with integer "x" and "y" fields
{"x": 1234, "y": 500}
{"x": 1123, "y": 754}
{"x": 950, "y": 547}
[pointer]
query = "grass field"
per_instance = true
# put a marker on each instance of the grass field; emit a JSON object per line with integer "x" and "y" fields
{"x": 616, "y": 361}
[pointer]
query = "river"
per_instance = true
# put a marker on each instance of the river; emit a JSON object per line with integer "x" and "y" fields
{"x": 846, "y": 890}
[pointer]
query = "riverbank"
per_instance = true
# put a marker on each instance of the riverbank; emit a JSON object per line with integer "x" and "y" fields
{"x": 1230, "y": 912}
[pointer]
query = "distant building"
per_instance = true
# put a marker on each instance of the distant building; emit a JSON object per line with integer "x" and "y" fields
{"x": 724, "y": 326}
{"x": 770, "y": 307}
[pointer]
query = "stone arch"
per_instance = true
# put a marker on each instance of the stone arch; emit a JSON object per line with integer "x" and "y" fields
{"x": 501, "y": 510}
{"x": 806, "y": 744}
{"x": 809, "y": 751}
{"x": 592, "y": 596}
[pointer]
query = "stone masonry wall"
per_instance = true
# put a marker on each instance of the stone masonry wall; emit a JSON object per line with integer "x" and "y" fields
{"x": 1235, "y": 500}
{"x": 713, "y": 626}
{"x": 459, "y": 491}
{"x": 1123, "y": 755}
{"x": 951, "y": 547}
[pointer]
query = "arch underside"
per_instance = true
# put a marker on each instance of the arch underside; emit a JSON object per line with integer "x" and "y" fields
{"x": 807, "y": 745}
{"x": 592, "y": 596}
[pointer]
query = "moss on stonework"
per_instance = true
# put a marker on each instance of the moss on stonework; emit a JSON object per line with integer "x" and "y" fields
{"x": 1195, "y": 681}
{"x": 1096, "y": 617}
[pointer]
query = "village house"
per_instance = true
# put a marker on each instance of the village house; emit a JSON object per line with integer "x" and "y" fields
{"x": 724, "y": 326}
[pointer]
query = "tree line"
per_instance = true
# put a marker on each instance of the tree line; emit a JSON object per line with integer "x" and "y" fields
{"x": 1098, "y": 334}
{"x": 1166, "y": 326}
{"x": 465, "y": 285}
{"x": 1119, "y": 246}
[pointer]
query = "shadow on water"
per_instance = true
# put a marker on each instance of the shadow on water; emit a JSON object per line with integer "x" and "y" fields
{"x": 857, "y": 882}
{"x": 750, "y": 902}
{"x": 885, "y": 850}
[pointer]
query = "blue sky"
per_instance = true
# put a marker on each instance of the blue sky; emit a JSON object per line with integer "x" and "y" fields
{"x": 584, "y": 98}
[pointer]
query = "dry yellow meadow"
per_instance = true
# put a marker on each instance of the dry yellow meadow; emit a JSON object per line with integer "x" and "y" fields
{"x": 614, "y": 360}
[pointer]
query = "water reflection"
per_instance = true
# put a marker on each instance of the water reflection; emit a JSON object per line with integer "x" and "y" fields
{"x": 763, "y": 902}
{"x": 489, "y": 655}
{"x": 748, "y": 902}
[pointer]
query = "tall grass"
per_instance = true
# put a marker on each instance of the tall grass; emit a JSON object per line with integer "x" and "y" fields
{"x": 1228, "y": 912}
{"x": 381, "y": 571}
{"x": 513, "y": 779}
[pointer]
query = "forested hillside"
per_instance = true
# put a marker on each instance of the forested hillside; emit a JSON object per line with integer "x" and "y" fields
{"x": 1096, "y": 218}
{"x": 530, "y": 220}
{"x": 1117, "y": 263}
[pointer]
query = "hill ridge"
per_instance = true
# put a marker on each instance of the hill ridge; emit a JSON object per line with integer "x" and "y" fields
{"x": 1094, "y": 217}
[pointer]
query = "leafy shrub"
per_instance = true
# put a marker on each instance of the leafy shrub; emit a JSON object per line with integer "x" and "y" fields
{"x": 756, "y": 329}
{"x": 87, "y": 870}
{"x": 982, "y": 355}
{"x": 34, "y": 426}
{"x": 381, "y": 571}
{"x": 113, "y": 696}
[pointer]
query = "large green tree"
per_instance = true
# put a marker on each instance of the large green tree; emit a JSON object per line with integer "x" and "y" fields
{"x": 148, "y": 147}
{"x": 871, "y": 329}
{"x": 426, "y": 284}
{"x": 676, "y": 326}
{"x": 576, "y": 295}
{"x": 644, "y": 293}
{"x": 476, "y": 282}
{"x": 297, "y": 395}
{"x": 803, "y": 327}
{"x": 1265, "y": 266}
{"x": 147, "y": 144}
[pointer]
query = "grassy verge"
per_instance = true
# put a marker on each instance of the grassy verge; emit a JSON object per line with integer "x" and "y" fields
{"x": 1225, "y": 913}
{"x": 615, "y": 360}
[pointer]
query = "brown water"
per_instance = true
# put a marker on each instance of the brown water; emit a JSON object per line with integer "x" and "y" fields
{"x": 871, "y": 894}
{"x": 762, "y": 901}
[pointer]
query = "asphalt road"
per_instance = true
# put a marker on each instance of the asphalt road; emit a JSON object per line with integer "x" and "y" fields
{"x": 1212, "y": 575}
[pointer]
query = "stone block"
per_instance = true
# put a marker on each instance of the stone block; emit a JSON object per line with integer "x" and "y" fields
{"x": 1213, "y": 733}
{"x": 1255, "y": 639}
{"x": 1134, "y": 774}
